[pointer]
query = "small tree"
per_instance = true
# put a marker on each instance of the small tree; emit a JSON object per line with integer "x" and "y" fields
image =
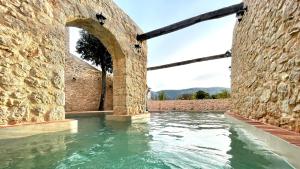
{"x": 162, "y": 95}
{"x": 202, "y": 95}
{"x": 186, "y": 97}
{"x": 214, "y": 96}
{"x": 91, "y": 49}
{"x": 223, "y": 94}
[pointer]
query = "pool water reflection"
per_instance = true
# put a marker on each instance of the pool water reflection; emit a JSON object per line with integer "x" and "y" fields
{"x": 169, "y": 140}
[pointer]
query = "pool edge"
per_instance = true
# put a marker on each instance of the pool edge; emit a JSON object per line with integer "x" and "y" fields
{"x": 77, "y": 114}
{"x": 26, "y": 130}
{"x": 140, "y": 118}
{"x": 288, "y": 151}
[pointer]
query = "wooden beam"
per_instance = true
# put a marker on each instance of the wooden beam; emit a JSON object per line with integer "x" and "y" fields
{"x": 191, "y": 21}
{"x": 226, "y": 55}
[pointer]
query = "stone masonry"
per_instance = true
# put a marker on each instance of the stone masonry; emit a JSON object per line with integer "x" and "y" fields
{"x": 83, "y": 86}
{"x": 33, "y": 48}
{"x": 216, "y": 105}
{"x": 266, "y": 63}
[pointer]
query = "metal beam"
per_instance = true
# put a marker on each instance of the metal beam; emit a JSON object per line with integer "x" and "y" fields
{"x": 226, "y": 55}
{"x": 191, "y": 21}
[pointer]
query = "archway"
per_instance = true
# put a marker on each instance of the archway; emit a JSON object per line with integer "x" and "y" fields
{"x": 125, "y": 66}
{"x": 118, "y": 57}
{"x": 83, "y": 80}
{"x": 32, "y": 51}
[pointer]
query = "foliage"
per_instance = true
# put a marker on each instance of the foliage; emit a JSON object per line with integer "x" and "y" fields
{"x": 222, "y": 95}
{"x": 162, "y": 95}
{"x": 202, "y": 95}
{"x": 91, "y": 49}
{"x": 187, "y": 97}
{"x": 174, "y": 94}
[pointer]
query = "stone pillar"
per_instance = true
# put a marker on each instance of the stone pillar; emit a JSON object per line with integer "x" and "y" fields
{"x": 129, "y": 88}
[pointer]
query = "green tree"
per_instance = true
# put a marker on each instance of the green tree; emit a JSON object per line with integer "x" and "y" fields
{"x": 186, "y": 97}
{"x": 214, "y": 96}
{"x": 162, "y": 95}
{"x": 202, "y": 95}
{"x": 91, "y": 49}
{"x": 223, "y": 94}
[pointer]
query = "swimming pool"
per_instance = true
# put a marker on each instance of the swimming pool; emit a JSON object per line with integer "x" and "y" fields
{"x": 169, "y": 140}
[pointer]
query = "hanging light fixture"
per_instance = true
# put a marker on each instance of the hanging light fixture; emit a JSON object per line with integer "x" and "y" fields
{"x": 100, "y": 18}
{"x": 138, "y": 48}
{"x": 240, "y": 13}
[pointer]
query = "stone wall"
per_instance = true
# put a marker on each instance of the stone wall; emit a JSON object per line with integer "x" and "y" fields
{"x": 266, "y": 63}
{"x": 83, "y": 86}
{"x": 216, "y": 105}
{"x": 33, "y": 51}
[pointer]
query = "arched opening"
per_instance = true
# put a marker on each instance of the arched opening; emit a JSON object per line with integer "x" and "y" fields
{"x": 83, "y": 79}
{"x": 32, "y": 85}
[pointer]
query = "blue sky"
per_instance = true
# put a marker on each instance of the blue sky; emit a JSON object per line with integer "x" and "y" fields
{"x": 203, "y": 39}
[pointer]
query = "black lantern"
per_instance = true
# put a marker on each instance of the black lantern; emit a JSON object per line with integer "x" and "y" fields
{"x": 240, "y": 13}
{"x": 138, "y": 48}
{"x": 100, "y": 18}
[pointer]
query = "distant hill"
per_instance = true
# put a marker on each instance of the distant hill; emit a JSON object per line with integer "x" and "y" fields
{"x": 173, "y": 94}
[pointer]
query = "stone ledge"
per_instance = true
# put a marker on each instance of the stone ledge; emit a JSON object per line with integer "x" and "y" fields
{"x": 26, "y": 130}
{"x": 88, "y": 113}
{"x": 187, "y": 111}
{"x": 141, "y": 118}
{"x": 282, "y": 142}
{"x": 207, "y": 105}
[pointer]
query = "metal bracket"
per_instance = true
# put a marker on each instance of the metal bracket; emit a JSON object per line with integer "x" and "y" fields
{"x": 228, "y": 53}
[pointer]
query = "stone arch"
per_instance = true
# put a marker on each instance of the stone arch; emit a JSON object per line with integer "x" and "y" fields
{"x": 114, "y": 48}
{"x": 33, "y": 48}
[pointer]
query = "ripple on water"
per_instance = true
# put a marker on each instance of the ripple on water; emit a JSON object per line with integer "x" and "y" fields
{"x": 169, "y": 141}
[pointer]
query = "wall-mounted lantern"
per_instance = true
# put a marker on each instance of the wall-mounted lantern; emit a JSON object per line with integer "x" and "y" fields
{"x": 240, "y": 13}
{"x": 100, "y": 18}
{"x": 138, "y": 47}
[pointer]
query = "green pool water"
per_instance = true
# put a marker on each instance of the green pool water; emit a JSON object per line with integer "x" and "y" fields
{"x": 168, "y": 141}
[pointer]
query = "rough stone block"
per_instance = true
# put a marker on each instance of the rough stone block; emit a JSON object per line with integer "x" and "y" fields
{"x": 265, "y": 52}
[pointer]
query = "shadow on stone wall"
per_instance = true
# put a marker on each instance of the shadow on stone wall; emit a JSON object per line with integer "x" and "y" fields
{"x": 83, "y": 86}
